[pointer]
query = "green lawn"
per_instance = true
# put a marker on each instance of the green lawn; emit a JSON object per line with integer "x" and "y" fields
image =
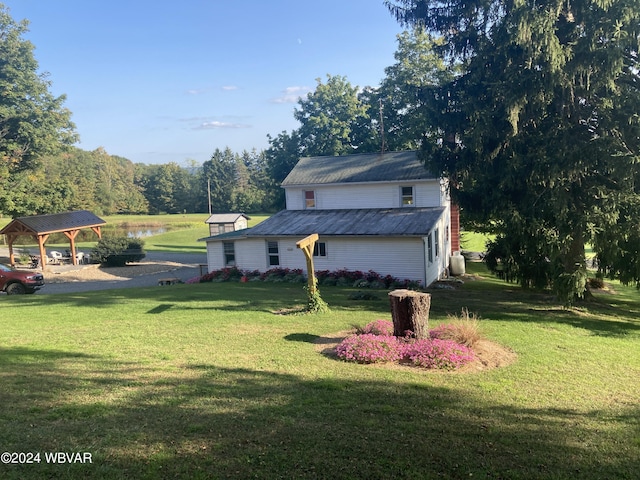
{"x": 474, "y": 241}
{"x": 205, "y": 381}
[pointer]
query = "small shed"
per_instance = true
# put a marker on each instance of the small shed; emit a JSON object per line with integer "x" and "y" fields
{"x": 226, "y": 222}
{"x": 41, "y": 226}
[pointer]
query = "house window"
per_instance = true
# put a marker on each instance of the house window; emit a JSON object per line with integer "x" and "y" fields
{"x": 229, "y": 254}
{"x": 220, "y": 228}
{"x": 430, "y": 249}
{"x": 273, "y": 254}
{"x": 407, "y": 196}
{"x": 320, "y": 249}
{"x": 436, "y": 234}
{"x": 309, "y": 199}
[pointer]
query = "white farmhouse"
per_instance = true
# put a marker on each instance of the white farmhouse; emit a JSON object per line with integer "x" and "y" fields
{"x": 380, "y": 212}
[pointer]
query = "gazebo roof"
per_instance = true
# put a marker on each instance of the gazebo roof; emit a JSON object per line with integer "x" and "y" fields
{"x": 52, "y": 223}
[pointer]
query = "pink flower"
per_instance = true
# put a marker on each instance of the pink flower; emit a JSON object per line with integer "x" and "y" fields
{"x": 369, "y": 348}
{"x": 379, "y": 327}
{"x": 436, "y": 353}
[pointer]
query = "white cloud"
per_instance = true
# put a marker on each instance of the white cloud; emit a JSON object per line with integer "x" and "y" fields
{"x": 291, "y": 95}
{"x": 214, "y": 124}
{"x": 229, "y": 88}
{"x": 196, "y": 91}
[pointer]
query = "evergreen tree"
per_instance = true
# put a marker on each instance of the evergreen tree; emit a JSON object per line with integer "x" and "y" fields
{"x": 219, "y": 175}
{"x": 540, "y": 134}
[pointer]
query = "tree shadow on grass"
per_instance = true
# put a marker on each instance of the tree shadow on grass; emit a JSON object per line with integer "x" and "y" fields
{"x": 302, "y": 337}
{"x": 507, "y": 302}
{"x": 210, "y": 422}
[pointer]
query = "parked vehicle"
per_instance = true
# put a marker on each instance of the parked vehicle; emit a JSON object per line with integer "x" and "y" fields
{"x": 17, "y": 282}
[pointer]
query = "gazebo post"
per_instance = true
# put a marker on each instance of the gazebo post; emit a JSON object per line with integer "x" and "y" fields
{"x": 43, "y": 253}
{"x": 71, "y": 235}
{"x": 10, "y": 240}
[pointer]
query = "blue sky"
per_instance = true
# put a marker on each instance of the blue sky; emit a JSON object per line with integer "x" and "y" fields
{"x": 159, "y": 81}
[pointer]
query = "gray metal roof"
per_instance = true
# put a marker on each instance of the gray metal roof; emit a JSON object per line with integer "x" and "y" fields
{"x": 379, "y": 222}
{"x": 225, "y": 217}
{"x": 367, "y": 167}
{"x": 55, "y": 222}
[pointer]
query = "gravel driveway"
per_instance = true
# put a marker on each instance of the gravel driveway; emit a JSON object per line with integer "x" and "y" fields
{"x": 156, "y": 265}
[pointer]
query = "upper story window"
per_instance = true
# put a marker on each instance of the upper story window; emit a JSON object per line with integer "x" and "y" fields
{"x": 309, "y": 199}
{"x": 407, "y": 196}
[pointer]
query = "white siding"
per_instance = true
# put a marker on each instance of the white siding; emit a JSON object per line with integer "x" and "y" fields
{"x": 215, "y": 256}
{"x": 251, "y": 254}
{"x": 375, "y": 195}
{"x": 435, "y": 270}
{"x": 398, "y": 257}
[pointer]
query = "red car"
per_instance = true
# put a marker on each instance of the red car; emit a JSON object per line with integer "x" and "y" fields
{"x": 16, "y": 282}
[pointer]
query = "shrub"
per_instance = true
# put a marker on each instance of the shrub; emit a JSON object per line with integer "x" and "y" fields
{"x": 315, "y": 303}
{"x": 117, "y": 251}
{"x": 436, "y": 353}
{"x": 463, "y": 329}
{"x": 224, "y": 275}
{"x": 341, "y": 278}
{"x": 369, "y": 348}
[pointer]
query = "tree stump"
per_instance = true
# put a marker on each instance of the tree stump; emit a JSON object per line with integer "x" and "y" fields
{"x": 410, "y": 311}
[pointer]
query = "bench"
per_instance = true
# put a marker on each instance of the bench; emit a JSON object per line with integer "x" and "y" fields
{"x": 169, "y": 281}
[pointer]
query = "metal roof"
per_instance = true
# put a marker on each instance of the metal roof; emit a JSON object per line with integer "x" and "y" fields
{"x": 378, "y": 222}
{"x": 55, "y": 222}
{"x": 225, "y": 217}
{"x": 368, "y": 167}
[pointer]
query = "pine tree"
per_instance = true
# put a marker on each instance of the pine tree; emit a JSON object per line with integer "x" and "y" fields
{"x": 540, "y": 134}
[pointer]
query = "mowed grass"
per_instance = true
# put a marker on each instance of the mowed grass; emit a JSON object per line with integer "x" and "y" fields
{"x": 206, "y": 381}
{"x": 474, "y": 241}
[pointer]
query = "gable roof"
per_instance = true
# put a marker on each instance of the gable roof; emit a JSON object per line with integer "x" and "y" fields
{"x": 225, "y": 217}
{"x": 378, "y": 222}
{"x": 51, "y": 223}
{"x": 366, "y": 167}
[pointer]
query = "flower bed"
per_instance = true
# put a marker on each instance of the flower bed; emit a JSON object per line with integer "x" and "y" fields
{"x": 374, "y": 344}
{"x": 341, "y": 277}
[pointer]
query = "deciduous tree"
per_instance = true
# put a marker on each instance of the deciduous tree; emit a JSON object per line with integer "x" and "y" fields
{"x": 327, "y": 117}
{"x": 33, "y": 122}
{"x": 400, "y": 111}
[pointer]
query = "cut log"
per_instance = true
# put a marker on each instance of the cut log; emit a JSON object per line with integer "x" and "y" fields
{"x": 410, "y": 311}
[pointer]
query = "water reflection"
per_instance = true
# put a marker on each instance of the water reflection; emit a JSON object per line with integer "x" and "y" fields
{"x": 140, "y": 233}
